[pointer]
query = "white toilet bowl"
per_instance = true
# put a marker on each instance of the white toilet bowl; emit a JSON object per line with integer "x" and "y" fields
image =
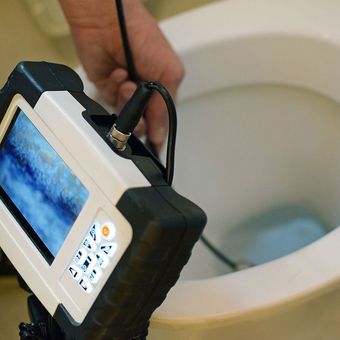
{"x": 259, "y": 132}
{"x": 259, "y": 129}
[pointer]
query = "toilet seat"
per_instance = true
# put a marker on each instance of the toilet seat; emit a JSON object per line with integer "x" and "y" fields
{"x": 308, "y": 36}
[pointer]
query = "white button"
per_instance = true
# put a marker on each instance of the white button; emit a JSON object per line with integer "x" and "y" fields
{"x": 80, "y": 256}
{"x": 108, "y": 231}
{"x": 95, "y": 275}
{"x": 102, "y": 259}
{"x": 89, "y": 244}
{"x": 75, "y": 272}
{"x": 109, "y": 248}
{"x": 95, "y": 232}
{"x": 89, "y": 264}
{"x": 86, "y": 285}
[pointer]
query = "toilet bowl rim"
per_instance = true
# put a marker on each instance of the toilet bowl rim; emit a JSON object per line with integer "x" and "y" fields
{"x": 291, "y": 277}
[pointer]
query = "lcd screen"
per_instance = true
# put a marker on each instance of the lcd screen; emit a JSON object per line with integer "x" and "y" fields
{"x": 38, "y": 186}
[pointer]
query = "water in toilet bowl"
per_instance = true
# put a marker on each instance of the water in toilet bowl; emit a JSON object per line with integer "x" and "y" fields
{"x": 270, "y": 179}
{"x": 273, "y": 234}
{"x": 263, "y": 238}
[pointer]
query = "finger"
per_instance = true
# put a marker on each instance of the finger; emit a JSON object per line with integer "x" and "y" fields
{"x": 125, "y": 91}
{"x": 113, "y": 83}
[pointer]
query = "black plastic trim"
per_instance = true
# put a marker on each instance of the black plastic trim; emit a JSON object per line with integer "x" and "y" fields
{"x": 31, "y": 79}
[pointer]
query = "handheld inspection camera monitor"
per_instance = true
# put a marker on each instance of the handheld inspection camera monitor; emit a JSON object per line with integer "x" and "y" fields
{"x": 87, "y": 216}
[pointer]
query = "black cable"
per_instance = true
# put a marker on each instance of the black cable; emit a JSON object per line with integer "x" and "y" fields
{"x": 170, "y": 153}
{"x": 126, "y": 44}
{"x": 129, "y": 59}
{"x": 170, "y": 157}
{"x": 133, "y": 109}
{"x": 233, "y": 265}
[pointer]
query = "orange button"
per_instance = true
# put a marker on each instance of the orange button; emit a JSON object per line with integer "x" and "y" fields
{"x": 108, "y": 231}
{"x": 105, "y": 230}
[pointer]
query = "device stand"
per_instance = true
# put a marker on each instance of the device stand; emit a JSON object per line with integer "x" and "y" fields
{"x": 42, "y": 327}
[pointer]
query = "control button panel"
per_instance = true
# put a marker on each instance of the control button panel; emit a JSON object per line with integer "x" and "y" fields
{"x": 80, "y": 256}
{"x": 95, "y": 275}
{"x": 108, "y": 231}
{"x": 75, "y": 272}
{"x": 109, "y": 248}
{"x": 95, "y": 233}
{"x": 94, "y": 255}
{"x": 102, "y": 259}
{"x": 89, "y": 264}
{"x": 85, "y": 284}
{"x": 89, "y": 244}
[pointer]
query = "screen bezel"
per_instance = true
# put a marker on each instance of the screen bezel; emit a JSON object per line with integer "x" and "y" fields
{"x": 67, "y": 132}
{"x": 22, "y": 221}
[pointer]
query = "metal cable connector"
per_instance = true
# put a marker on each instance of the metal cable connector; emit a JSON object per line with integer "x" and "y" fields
{"x": 117, "y": 138}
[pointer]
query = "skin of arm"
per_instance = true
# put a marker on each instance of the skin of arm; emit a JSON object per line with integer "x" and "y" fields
{"x": 96, "y": 35}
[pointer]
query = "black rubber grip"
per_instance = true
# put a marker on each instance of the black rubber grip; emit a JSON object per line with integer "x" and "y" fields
{"x": 165, "y": 228}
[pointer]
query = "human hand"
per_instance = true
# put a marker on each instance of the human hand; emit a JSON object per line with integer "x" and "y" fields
{"x": 95, "y": 31}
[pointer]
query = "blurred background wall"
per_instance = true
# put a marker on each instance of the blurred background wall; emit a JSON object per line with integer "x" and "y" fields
{"x": 37, "y": 30}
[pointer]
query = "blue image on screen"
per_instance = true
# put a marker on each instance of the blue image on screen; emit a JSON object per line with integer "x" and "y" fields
{"x": 39, "y": 183}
